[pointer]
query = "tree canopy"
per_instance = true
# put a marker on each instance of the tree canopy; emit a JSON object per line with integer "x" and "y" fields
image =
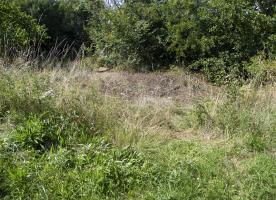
{"x": 215, "y": 37}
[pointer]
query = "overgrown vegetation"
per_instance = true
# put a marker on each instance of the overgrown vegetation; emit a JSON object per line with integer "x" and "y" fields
{"x": 18, "y": 30}
{"x": 63, "y": 140}
{"x": 216, "y": 38}
{"x": 66, "y": 22}
{"x": 68, "y": 132}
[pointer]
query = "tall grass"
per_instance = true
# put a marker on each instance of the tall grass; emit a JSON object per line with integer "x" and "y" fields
{"x": 60, "y": 138}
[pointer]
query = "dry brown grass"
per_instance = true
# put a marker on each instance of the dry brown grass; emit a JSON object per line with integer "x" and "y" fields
{"x": 147, "y": 105}
{"x": 180, "y": 86}
{"x": 151, "y": 104}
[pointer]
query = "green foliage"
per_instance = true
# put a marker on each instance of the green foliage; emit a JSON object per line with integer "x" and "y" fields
{"x": 51, "y": 130}
{"x": 15, "y": 97}
{"x": 58, "y": 135}
{"x": 190, "y": 175}
{"x": 133, "y": 33}
{"x": 264, "y": 6}
{"x": 213, "y": 37}
{"x": 65, "y": 20}
{"x": 31, "y": 134}
{"x": 216, "y": 37}
{"x": 262, "y": 71}
{"x": 95, "y": 170}
{"x": 18, "y": 30}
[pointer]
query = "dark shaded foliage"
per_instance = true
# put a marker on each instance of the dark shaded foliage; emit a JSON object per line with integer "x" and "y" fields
{"x": 65, "y": 21}
{"x": 134, "y": 32}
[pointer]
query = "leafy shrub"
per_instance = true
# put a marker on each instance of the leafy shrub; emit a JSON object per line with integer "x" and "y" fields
{"x": 133, "y": 33}
{"x": 216, "y": 37}
{"x": 262, "y": 71}
{"x": 217, "y": 70}
{"x": 66, "y": 22}
{"x": 32, "y": 134}
{"x": 18, "y": 30}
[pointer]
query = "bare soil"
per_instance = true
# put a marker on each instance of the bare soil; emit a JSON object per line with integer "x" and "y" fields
{"x": 175, "y": 86}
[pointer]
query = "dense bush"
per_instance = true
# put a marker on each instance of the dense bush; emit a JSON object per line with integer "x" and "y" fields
{"x": 134, "y": 32}
{"x": 217, "y": 36}
{"x": 214, "y": 37}
{"x": 65, "y": 21}
{"x": 18, "y": 30}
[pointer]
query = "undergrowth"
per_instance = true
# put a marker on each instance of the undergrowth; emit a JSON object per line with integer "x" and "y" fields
{"x": 61, "y": 140}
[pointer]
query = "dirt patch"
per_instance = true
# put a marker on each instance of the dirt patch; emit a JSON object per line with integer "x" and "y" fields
{"x": 177, "y": 86}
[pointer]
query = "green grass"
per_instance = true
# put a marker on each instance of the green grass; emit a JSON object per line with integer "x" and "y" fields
{"x": 60, "y": 140}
